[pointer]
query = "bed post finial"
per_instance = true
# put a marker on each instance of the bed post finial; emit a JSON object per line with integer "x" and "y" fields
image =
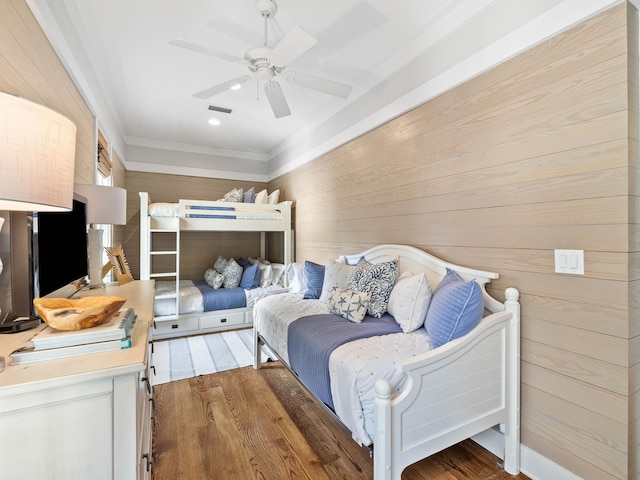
{"x": 512, "y": 427}
{"x": 382, "y": 440}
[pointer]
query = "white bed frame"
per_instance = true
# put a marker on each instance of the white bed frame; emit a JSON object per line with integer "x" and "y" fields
{"x": 186, "y": 221}
{"x": 454, "y": 392}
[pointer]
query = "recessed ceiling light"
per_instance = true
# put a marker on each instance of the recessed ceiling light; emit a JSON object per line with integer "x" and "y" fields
{"x": 237, "y": 86}
{"x": 214, "y": 121}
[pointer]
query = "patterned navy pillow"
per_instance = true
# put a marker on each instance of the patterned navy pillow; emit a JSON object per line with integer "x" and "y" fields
{"x": 376, "y": 279}
{"x": 315, "y": 278}
{"x": 232, "y": 274}
{"x": 350, "y": 305}
{"x": 213, "y": 278}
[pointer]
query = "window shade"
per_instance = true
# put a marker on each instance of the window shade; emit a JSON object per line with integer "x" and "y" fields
{"x": 104, "y": 162}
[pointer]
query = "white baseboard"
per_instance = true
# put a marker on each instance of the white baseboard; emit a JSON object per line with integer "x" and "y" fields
{"x": 532, "y": 464}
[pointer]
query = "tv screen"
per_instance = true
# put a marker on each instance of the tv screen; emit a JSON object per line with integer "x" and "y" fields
{"x": 60, "y": 248}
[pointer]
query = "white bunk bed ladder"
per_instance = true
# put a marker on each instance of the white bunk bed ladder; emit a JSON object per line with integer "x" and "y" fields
{"x": 147, "y": 272}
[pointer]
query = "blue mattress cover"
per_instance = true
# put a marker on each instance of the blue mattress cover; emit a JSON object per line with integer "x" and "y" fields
{"x": 221, "y": 298}
{"x": 311, "y": 340}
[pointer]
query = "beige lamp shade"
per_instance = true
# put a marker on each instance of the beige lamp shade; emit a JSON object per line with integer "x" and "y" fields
{"x": 105, "y": 205}
{"x": 37, "y": 156}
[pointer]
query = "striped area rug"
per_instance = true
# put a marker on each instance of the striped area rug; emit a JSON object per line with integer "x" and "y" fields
{"x": 187, "y": 357}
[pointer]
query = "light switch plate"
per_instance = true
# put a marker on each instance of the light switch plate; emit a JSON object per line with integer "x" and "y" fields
{"x": 569, "y": 261}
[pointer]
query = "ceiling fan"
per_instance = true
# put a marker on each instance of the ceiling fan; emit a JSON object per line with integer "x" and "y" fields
{"x": 266, "y": 63}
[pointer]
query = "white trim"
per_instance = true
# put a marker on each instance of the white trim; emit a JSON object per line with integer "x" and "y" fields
{"x": 532, "y": 464}
{"x": 195, "y": 172}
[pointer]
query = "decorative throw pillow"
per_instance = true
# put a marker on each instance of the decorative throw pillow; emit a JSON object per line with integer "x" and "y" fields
{"x": 409, "y": 301}
{"x": 265, "y": 274}
{"x": 315, "y": 277}
{"x": 278, "y": 274}
{"x": 249, "y": 196}
{"x": 261, "y": 196}
{"x": 273, "y": 197}
{"x": 232, "y": 274}
{"x": 335, "y": 274}
{"x": 235, "y": 195}
{"x": 456, "y": 308}
{"x": 297, "y": 278}
{"x": 213, "y": 278}
{"x": 376, "y": 279}
{"x": 220, "y": 264}
{"x": 250, "y": 277}
{"x": 348, "y": 304}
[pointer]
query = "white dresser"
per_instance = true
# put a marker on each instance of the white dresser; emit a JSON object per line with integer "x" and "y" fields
{"x": 83, "y": 417}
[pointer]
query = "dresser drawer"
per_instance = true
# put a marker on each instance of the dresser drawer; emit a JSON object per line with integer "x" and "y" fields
{"x": 218, "y": 320}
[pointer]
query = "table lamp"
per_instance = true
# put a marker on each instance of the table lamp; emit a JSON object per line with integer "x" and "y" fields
{"x": 105, "y": 205}
{"x": 37, "y": 161}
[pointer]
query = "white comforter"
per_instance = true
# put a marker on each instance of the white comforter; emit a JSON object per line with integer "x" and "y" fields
{"x": 354, "y": 367}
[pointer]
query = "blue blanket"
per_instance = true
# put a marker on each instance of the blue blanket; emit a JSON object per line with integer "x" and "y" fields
{"x": 311, "y": 340}
{"x": 221, "y": 298}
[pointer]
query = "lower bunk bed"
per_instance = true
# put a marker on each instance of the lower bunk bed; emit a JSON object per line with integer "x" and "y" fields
{"x": 409, "y": 384}
{"x": 203, "y": 309}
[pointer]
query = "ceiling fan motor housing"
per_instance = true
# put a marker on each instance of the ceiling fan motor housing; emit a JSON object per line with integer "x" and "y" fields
{"x": 266, "y": 7}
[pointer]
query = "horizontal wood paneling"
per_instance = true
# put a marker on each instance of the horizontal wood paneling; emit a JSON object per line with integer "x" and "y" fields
{"x": 30, "y": 68}
{"x": 199, "y": 250}
{"x": 531, "y": 156}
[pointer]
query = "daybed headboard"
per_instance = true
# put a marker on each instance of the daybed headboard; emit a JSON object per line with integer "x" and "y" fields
{"x": 415, "y": 260}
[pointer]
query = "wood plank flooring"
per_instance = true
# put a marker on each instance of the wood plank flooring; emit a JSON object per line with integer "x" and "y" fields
{"x": 262, "y": 424}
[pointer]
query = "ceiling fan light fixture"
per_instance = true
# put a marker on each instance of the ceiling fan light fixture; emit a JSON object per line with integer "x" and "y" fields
{"x": 214, "y": 121}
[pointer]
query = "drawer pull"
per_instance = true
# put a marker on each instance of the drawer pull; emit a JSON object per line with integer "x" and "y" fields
{"x": 223, "y": 320}
{"x": 174, "y": 326}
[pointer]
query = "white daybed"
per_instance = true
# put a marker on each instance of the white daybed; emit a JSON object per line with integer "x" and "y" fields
{"x": 408, "y": 399}
{"x": 186, "y": 215}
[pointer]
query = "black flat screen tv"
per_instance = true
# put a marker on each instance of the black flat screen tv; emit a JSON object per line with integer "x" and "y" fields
{"x": 59, "y": 242}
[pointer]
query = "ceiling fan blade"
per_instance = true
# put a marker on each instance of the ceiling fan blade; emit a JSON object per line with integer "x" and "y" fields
{"x": 294, "y": 44}
{"x": 276, "y": 99}
{"x": 207, "y": 51}
{"x": 210, "y": 92}
{"x": 320, "y": 84}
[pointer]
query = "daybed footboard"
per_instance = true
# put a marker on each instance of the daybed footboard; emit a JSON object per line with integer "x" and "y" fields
{"x": 454, "y": 392}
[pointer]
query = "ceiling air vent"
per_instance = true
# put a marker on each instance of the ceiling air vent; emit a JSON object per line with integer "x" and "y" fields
{"x": 219, "y": 109}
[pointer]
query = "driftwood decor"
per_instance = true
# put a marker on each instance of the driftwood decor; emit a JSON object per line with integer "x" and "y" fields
{"x": 119, "y": 264}
{"x": 87, "y": 312}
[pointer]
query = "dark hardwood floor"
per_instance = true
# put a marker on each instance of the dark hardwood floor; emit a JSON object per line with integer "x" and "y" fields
{"x": 262, "y": 424}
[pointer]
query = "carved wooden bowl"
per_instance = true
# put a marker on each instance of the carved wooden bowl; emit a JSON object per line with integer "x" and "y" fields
{"x": 87, "y": 312}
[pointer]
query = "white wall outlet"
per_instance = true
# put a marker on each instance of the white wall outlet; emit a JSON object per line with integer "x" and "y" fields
{"x": 569, "y": 261}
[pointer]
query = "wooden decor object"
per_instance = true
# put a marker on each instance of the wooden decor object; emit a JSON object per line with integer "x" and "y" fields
{"x": 87, "y": 312}
{"x": 119, "y": 263}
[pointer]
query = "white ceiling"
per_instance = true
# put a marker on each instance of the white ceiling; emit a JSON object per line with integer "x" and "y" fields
{"x": 394, "y": 53}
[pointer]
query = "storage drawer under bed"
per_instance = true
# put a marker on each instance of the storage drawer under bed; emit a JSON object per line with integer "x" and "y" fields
{"x": 217, "y": 320}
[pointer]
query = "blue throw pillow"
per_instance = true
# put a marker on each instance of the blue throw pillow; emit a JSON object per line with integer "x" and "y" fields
{"x": 250, "y": 277}
{"x": 456, "y": 308}
{"x": 249, "y": 196}
{"x": 315, "y": 279}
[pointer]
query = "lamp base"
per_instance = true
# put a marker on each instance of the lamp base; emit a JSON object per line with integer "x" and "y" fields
{"x": 95, "y": 258}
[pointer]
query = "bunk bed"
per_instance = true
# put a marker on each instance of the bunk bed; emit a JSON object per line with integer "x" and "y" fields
{"x": 411, "y": 393}
{"x": 174, "y": 294}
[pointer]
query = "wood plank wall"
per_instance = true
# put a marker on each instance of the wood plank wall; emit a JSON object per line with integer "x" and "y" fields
{"x": 497, "y": 173}
{"x": 30, "y": 68}
{"x": 199, "y": 250}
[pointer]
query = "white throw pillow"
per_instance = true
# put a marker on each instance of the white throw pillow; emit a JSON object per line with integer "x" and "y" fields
{"x": 335, "y": 274}
{"x": 273, "y": 197}
{"x": 297, "y": 278}
{"x": 261, "y": 197}
{"x": 409, "y": 301}
{"x": 265, "y": 274}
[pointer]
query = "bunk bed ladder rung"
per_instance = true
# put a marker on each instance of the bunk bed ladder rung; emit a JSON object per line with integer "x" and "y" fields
{"x": 163, "y": 274}
{"x": 164, "y": 252}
